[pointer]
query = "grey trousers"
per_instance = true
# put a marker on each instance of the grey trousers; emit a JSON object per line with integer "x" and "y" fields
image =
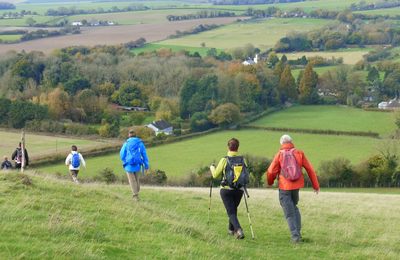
{"x": 133, "y": 179}
{"x": 288, "y": 200}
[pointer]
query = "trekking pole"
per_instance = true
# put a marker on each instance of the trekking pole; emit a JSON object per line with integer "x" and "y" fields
{"x": 248, "y": 213}
{"x": 209, "y": 203}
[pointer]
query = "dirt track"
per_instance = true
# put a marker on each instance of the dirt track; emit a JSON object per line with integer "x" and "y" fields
{"x": 112, "y": 35}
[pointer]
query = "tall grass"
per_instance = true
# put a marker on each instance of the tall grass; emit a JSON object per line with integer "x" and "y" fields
{"x": 57, "y": 220}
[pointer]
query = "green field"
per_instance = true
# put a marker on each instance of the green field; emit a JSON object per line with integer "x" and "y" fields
{"x": 339, "y": 118}
{"x": 10, "y": 38}
{"x": 180, "y": 158}
{"x": 174, "y": 48}
{"x": 262, "y": 33}
{"x": 56, "y": 219}
{"x": 319, "y": 70}
{"x": 385, "y": 11}
{"x": 42, "y": 145}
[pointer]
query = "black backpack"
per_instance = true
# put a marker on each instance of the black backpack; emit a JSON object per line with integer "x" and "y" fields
{"x": 236, "y": 174}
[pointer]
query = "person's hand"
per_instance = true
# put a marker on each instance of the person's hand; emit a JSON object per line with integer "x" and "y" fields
{"x": 212, "y": 168}
{"x": 316, "y": 191}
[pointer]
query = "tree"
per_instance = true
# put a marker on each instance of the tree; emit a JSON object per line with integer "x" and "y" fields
{"x": 4, "y": 108}
{"x": 308, "y": 93}
{"x": 225, "y": 115}
{"x": 21, "y": 112}
{"x": 200, "y": 122}
{"x": 373, "y": 74}
{"x": 76, "y": 84}
{"x": 59, "y": 103}
{"x": 287, "y": 86}
{"x": 30, "y": 21}
{"x": 272, "y": 59}
{"x": 129, "y": 94}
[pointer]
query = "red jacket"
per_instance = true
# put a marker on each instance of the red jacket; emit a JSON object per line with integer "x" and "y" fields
{"x": 275, "y": 168}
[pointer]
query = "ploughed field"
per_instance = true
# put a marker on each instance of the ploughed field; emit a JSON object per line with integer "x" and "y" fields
{"x": 52, "y": 218}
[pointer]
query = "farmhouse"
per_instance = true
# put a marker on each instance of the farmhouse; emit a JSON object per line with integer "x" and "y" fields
{"x": 392, "y": 104}
{"x": 250, "y": 61}
{"x": 161, "y": 126}
{"x": 76, "y": 24}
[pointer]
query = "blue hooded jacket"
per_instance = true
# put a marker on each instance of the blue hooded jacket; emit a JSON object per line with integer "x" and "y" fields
{"x": 131, "y": 142}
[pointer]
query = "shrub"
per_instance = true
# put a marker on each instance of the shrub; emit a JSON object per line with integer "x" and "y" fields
{"x": 107, "y": 175}
{"x": 154, "y": 177}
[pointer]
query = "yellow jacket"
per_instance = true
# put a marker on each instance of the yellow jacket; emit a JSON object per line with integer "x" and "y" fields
{"x": 220, "y": 170}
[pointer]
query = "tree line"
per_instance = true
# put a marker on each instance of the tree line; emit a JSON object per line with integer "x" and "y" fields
{"x": 252, "y": 2}
{"x": 200, "y": 15}
{"x": 65, "y": 11}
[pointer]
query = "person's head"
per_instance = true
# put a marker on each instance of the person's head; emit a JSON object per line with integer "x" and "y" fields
{"x": 285, "y": 139}
{"x": 5, "y": 158}
{"x": 233, "y": 145}
{"x": 19, "y": 145}
{"x": 74, "y": 148}
{"x": 132, "y": 133}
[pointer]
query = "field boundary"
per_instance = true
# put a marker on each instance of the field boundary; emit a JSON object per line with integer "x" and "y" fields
{"x": 314, "y": 131}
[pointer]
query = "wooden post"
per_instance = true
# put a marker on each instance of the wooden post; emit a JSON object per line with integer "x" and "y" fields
{"x": 23, "y": 162}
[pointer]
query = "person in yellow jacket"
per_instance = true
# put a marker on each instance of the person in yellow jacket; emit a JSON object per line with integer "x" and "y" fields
{"x": 230, "y": 197}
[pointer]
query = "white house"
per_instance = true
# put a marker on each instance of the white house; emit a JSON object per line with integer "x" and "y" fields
{"x": 250, "y": 61}
{"x": 76, "y": 23}
{"x": 391, "y": 104}
{"x": 161, "y": 126}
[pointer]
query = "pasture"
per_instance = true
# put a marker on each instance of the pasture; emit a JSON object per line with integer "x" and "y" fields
{"x": 41, "y": 145}
{"x": 263, "y": 34}
{"x": 339, "y": 118}
{"x": 181, "y": 158}
{"x": 10, "y": 38}
{"x": 385, "y": 11}
{"x": 350, "y": 56}
{"x": 96, "y": 221}
{"x": 113, "y": 35}
{"x": 318, "y": 70}
{"x": 174, "y": 48}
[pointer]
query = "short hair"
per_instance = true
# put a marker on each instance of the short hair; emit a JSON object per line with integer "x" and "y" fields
{"x": 5, "y": 157}
{"x": 132, "y": 132}
{"x": 233, "y": 144}
{"x": 74, "y": 148}
{"x": 285, "y": 139}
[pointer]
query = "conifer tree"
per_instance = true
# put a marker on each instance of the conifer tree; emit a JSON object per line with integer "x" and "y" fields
{"x": 287, "y": 86}
{"x": 308, "y": 93}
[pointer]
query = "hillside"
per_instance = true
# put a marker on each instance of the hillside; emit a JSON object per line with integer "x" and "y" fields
{"x": 49, "y": 218}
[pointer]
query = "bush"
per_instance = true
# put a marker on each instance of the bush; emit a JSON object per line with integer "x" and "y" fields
{"x": 107, "y": 175}
{"x": 154, "y": 177}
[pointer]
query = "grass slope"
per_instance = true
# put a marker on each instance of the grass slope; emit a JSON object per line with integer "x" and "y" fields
{"x": 179, "y": 159}
{"x": 261, "y": 33}
{"x": 331, "y": 117}
{"x": 40, "y": 145}
{"x": 52, "y": 219}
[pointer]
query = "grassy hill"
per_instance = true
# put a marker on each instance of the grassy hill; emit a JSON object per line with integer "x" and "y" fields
{"x": 181, "y": 158}
{"x": 39, "y": 145}
{"x": 48, "y": 218}
{"x": 339, "y": 118}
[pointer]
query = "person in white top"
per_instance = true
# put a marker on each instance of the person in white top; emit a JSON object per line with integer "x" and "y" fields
{"x": 74, "y": 160}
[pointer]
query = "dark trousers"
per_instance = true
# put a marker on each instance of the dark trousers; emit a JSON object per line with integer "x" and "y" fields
{"x": 288, "y": 200}
{"x": 231, "y": 200}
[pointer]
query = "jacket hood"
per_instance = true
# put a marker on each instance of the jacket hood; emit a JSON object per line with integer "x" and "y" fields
{"x": 133, "y": 141}
{"x": 287, "y": 146}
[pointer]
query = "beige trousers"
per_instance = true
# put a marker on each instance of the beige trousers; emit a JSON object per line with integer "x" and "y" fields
{"x": 133, "y": 179}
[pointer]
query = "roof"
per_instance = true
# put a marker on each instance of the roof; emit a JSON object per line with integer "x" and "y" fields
{"x": 161, "y": 124}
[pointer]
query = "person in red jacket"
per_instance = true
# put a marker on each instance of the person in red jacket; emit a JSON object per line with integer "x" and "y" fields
{"x": 289, "y": 186}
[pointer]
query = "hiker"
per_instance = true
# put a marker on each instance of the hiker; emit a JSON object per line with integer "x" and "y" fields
{"x": 134, "y": 159}
{"x": 230, "y": 196}
{"x": 6, "y": 164}
{"x": 287, "y": 165}
{"x": 17, "y": 157}
{"x": 74, "y": 161}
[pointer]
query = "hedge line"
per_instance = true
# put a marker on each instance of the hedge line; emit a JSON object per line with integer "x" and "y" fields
{"x": 314, "y": 131}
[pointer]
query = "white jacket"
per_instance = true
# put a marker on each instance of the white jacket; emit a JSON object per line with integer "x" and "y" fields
{"x": 69, "y": 159}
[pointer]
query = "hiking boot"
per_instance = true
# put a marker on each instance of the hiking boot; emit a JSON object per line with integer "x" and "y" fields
{"x": 296, "y": 240}
{"x": 239, "y": 234}
{"x": 231, "y": 232}
{"x": 135, "y": 197}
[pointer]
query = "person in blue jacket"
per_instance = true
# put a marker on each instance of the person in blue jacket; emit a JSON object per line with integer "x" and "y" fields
{"x": 134, "y": 159}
